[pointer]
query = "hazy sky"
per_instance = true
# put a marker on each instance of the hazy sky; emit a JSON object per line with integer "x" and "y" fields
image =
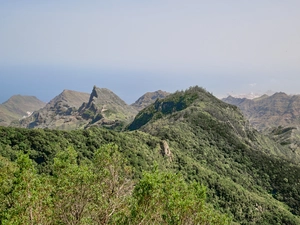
{"x": 131, "y": 47}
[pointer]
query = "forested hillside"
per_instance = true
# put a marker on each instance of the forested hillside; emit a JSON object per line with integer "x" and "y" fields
{"x": 98, "y": 183}
{"x": 186, "y": 159}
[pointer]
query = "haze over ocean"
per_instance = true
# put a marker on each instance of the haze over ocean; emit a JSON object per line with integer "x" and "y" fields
{"x": 132, "y": 47}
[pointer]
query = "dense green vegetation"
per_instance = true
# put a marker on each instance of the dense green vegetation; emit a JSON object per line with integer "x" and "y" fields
{"x": 218, "y": 168}
{"x": 98, "y": 191}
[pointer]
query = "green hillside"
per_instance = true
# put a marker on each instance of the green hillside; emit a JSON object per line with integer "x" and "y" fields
{"x": 189, "y": 138}
{"x": 213, "y": 136}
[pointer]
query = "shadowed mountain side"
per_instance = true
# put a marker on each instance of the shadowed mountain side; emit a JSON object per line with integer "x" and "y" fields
{"x": 198, "y": 107}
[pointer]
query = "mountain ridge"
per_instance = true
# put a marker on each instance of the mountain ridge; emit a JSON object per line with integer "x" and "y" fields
{"x": 248, "y": 176}
{"x": 73, "y": 110}
{"x": 278, "y": 109}
{"x": 215, "y": 134}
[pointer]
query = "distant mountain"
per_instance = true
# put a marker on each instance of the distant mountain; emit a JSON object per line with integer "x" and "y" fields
{"x": 60, "y": 112}
{"x": 264, "y": 112}
{"x": 148, "y": 99}
{"x": 105, "y": 108}
{"x": 277, "y": 115}
{"x": 72, "y": 110}
{"x": 251, "y": 95}
{"x": 18, "y": 106}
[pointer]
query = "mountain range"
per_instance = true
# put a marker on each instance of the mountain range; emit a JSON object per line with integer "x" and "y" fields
{"x": 73, "y": 110}
{"x": 277, "y": 115}
{"x": 249, "y": 176}
{"x": 266, "y": 111}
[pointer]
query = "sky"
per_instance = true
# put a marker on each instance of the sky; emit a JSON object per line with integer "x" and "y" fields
{"x": 132, "y": 47}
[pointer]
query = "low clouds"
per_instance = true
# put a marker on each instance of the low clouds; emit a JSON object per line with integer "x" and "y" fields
{"x": 252, "y": 85}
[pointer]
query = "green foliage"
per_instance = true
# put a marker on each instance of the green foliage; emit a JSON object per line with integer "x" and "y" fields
{"x": 96, "y": 191}
{"x": 212, "y": 143}
{"x": 88, "y": 114}
{"x": 247, "y": 175}
{"x": 165, "y": 198}
{"x": 176, "y": 102}
{"x": 90, "y": 192}
{"x": 26, "y": 196}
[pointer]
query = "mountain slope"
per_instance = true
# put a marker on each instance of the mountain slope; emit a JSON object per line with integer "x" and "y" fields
{"x": 277, "y": 115}
{"x": 264, "y": 112}
{"x": 59, "y": 113}
{"x": 250, "y": 176}
{"x": 17, "y": 107}
{"x": 148, "y": 99}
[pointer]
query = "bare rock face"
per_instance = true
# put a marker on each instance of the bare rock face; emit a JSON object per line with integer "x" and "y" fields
{"x": 165, "y": 149}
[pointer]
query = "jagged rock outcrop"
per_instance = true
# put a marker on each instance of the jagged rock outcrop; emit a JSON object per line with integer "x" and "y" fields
{"x": 165, "y": 149}
{"x": 105, "y": 108}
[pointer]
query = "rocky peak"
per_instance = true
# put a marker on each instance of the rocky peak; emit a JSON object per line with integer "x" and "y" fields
{"x": 106, "y": 108}
{"x": 94, "y": 94}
